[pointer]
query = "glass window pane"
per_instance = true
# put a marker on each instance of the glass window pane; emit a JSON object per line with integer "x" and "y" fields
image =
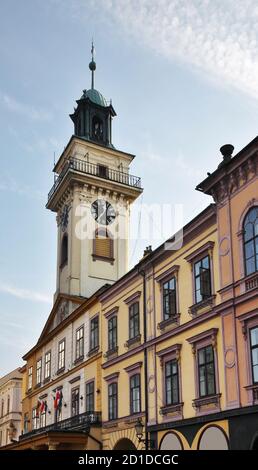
{"x": 248, "y": 232}
{"x": 209, "y": 354}
{"x": 197, "y": 268}
{"x": 201, "y": 355}
{"x": 205, "y": 262}
{"x": 255, "y": 356}
{"x": 255, "y": 373}
{"x": 254, "y": 336}
{"x": 249, "y": 249}
{"x": 250, "y": 265}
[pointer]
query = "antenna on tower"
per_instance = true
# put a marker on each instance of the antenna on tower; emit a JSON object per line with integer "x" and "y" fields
{"x": 92, "y": 65}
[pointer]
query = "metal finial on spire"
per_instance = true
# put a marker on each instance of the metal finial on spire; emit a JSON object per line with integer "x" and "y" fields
{"x": 92, "y": 65}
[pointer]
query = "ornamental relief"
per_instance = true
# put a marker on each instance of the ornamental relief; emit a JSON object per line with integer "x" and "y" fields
{"x": 231, "y": 183}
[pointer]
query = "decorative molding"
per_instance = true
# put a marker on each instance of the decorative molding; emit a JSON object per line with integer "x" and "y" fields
{"x": 112, "y": 377}
{"x": 207, "y": 247}
{"x": 134, "y": 367}
{"x": 133, "y": 297}
{"x": 205, "y": 335}
{"x": 111, "y": 312}
{"x": 169, "y": 272}
{"x": 195, "y": 308}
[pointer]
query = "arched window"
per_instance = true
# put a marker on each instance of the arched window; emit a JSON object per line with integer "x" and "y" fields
{"x": 102, "y": 245}
{"x": 64, "y": 250}
{"x": 97, "y": 128}
{"x": 251, "y": 241}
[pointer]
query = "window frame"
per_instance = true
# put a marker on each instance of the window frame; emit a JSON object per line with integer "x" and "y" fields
{"x": 39, "y": 372}
{"x": 133, "y": 315}
{"x": 199, "y": 276}
{"x": 113, "y": 397}
{"x": 79, "y": 342}
{"x": 47, "y": 365}
{"x": 254, "y": 241}
{"x": 112, "y": 333}
{"x": 94, "y": 333}
{"x": 30, "y": 378}
{"x": 172, "y": 361}
{"x": 61, "y": 355}
{"x": 75, "y": 399}
{"x": 251, "y": 348}
{"x": 205, "y": 366}
{"x": 168, "y": 316}
{"x": 91, "y": 394}
{"x": 131, "y": 388}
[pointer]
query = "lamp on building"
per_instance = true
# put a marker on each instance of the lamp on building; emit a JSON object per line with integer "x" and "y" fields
{"x": 139, "y": 429}
{"x": 139, "y": 434}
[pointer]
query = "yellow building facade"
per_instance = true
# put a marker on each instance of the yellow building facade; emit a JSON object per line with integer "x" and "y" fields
{"x": 152, "y": 357}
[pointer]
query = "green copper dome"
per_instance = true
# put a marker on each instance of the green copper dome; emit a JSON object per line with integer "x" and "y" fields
{"x": 95, "y": 96}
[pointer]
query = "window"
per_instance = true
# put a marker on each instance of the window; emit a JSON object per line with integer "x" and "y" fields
{"x": 26, "y": 422}
{"x": 112, "y": 401}
{"x": 169, "y": 299}
{"x": 34, "y": 418}
{"x": 94, "y": 333}
{"x": 112, "y": 333}
{"x": 61, "y": 355}
{"x": 47, "y": 365}
{"x": 103, "y": 171}
{"x": 38, "y": 371}
{"x": 64, "y": 250}
{"x": 171, "y": 383}
{"x": 75, "y": 401}
{"x": 42, "y": 419}
{"x": 251, "y": 241}
{"x": 90, "y": 397}
{"x": 102, "y": 244}
{"x": 30, "y": 371}
{"x": 97, "y": 128}
{"x": 254, "y": 353}
{"x": 202, "y": 278}
{"x": 135, "y": 393}
{"x": 206, "y": 371}
{"x": 8, "y": 404}
{"x": 79, "y": 342}
{"x": 2, "y": 408}
{"x": 134, "y": 320}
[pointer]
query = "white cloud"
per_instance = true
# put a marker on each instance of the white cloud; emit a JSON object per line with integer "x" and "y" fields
{"x": 25, "y": 294}
{"x": 219, "y": 38}
{"x": 25, "y": 110}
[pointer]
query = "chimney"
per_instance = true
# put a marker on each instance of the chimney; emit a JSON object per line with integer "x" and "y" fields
{"x": 226, "y": 151}
{"x": 147, "y": 251}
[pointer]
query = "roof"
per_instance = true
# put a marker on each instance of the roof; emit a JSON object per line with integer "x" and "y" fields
{"x": 14, "y": 374}
{"x": 95, "y": 96}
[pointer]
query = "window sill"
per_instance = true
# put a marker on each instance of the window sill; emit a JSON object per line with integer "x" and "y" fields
{"x": 103, "y": 258}
{"x": 60, "y": 371}
{"x": 37, "y": 386}
{"x": 169, "y": 409}
{"x": 93, "y": 351}
{"x": 133, "y": 342}
{"x": 111, "y": 353}
{"x": 46, "y": 380}
{"x": 198, "y": 403}
{"x": 204, "y": 304}
{"x": 78, "y": 360}
{"x": 254, "y": 389}
{"x": 173, "y": 320}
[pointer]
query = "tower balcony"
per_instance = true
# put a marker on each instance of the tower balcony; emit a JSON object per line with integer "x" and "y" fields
{"x": 77, "y": 169}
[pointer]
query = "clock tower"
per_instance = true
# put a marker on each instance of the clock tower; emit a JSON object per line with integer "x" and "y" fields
{"x": 91, "y": 195}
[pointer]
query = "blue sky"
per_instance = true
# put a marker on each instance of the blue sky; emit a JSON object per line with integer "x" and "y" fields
{"x": 183, "y": 78}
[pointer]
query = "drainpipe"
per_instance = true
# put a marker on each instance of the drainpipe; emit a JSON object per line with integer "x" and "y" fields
{"x": 146, "y": 400}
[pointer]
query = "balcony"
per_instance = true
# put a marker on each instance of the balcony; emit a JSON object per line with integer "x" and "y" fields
{"x": 81, "y": 422}
{"x": 99, "y": 171}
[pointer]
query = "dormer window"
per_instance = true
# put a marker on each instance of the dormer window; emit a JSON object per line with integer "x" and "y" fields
{"x": 97, "y": 129}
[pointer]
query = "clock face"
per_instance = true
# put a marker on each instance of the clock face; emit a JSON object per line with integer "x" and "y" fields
{"x": 64, "y": 217}
{"x": 103, "y": 212}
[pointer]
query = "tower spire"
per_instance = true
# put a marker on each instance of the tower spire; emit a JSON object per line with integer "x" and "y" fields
{"x": 92, "y": 65}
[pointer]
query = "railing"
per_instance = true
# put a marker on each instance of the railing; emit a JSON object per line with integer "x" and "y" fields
{"x": 74, "y": 164}
{"x": 80, "y": 422}
{"x": 251, "y": 283}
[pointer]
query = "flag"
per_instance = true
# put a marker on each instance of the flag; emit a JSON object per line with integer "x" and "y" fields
{"x": 56, "y": 401}
{"x": 60, "y": 400}
{"x": 38, "y": 408}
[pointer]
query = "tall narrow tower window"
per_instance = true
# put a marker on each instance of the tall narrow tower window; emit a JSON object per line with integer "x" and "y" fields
{"x": 102, "y": 245}
{"x": 97, "y": 129}
{"x": 64, "y": 250}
